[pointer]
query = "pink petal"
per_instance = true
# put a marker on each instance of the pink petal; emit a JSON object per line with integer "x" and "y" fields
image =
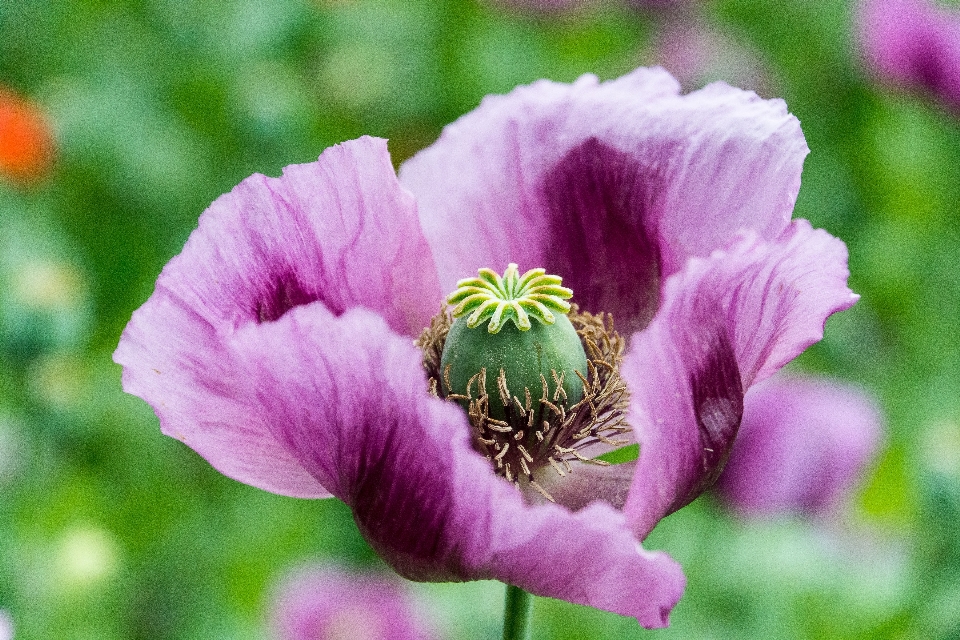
{"x": 340, "y": 231}
{"x": 803, "y": 445}
{"x": 611, "y": 185}
{"x": 727, "y": 322}
{"x": 349, "y": 398}
{"x": 324, "y": 602}
{"x": 913, "y": 43}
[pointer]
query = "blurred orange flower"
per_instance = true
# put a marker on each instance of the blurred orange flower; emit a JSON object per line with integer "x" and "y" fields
{"x": 26, "y": 142}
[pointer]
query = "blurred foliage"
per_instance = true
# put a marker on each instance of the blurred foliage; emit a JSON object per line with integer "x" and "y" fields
{"x": 110, "y": 530}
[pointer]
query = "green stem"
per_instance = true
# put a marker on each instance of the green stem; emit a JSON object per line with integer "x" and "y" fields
{"x": 517, "y": 614}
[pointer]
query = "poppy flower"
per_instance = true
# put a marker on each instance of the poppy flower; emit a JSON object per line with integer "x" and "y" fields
{"x": 803, "y": 446}
{"x": 280, "y": 343}
{"x": 325, "y": 602}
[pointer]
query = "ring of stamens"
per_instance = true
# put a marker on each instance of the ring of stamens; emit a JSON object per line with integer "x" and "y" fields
{"x": 552, "y": 433}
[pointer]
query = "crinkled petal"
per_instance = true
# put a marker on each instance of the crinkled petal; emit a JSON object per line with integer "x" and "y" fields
{"x": 325, "y": 602}
{"x": 349, "y": 398}
{"x": 340, "y": 231}
{"x": 727, "y": 322}
{"x": 610, "y": 185}
{"x": 913, "y": 43}
{"x": 803, "y": 445}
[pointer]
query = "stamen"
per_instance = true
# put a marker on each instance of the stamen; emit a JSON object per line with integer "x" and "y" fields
{"x": 524, "y": 453}
{"x": 556, "y": 466}
{"x": 558, "y": 380}
{"x": 446, "y": 378}
{"x": 553, "y": 408}
{"x": 502, "y": 388}
{"x": 470, "y": 384}
{"x": 542, "y": 491}
{"x": 500, "y": 427}
{"x": 526, "y": 469}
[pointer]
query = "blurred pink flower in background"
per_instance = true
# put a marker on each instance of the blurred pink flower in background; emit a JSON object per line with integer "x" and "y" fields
{"x": 324, "y": 603}
{"x": 687, "y": 45}
{"x": 914, "y": 44}
{"x": 804, "y": 444}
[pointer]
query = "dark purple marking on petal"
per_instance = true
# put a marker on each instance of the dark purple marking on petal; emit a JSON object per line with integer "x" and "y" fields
{"x": 600, "y": 242}
{"x": 286, "y": 294}
{"x": 348, "y": 396}
{"x": 932, "y": 69}
{"x": 727, "y": 322}
{"x": 718, "y": 408}
{"x": 405, "y": 522}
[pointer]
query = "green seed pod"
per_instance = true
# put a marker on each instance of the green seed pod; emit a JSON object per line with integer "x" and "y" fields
{"x": 529, "y": 354}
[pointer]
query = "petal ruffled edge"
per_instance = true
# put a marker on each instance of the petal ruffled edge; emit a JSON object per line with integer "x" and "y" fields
{"x": 728, "y": 322}
{"x": 340, "y": 232}
{"x": 350, "y": 398}
{"x": 611, "y": 185}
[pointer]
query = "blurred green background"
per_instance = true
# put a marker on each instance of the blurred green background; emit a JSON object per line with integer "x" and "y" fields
{"x": 110, "y": 530}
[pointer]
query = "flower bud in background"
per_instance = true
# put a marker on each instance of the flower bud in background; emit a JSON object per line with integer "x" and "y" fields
{"x": 803, "y": 445}
{"x": 324, "y": 603}
{"x": 26, "y": 143}
{"x": 914, "y": 44}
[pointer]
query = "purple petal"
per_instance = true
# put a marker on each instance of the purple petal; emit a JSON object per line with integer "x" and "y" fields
{"x": 349, "y": 397}
{"x": 913, "y": 43}
{"x": 727, "y": 322}
{"x": 323, "y": 602}
{"x": 612, "y": 186}
{"x": 340, "y": 231}
{"x": 803, "y": 445}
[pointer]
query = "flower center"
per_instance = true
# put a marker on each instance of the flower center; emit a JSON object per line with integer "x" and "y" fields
{"x": 537, "y": 393}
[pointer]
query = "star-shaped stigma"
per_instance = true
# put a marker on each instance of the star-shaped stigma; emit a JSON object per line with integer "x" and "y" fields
{"x": 511, "y": 297}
